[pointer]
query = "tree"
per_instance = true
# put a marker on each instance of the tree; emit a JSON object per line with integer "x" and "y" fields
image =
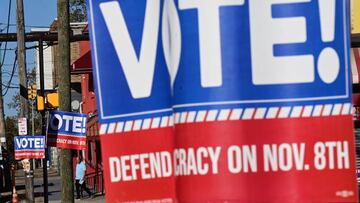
{"x": 11, "y": 131}
{"x": 78, "y": 11}
{"x": 15, "y": 104}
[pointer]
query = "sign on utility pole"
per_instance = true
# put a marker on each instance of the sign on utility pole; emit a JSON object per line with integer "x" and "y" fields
{"x": 22, "y": 126}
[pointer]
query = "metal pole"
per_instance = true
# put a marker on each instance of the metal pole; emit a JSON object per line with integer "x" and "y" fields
{"x": 32, "y": 127}
{"x": 43, "y": 119}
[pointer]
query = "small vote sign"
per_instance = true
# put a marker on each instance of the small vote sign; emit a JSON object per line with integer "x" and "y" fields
{"x": 29, "y": 147}
{"x": 67, "y": 130}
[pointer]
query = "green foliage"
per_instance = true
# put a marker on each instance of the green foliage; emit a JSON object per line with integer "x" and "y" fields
{"x": 11, "y": 130}
{"x": 15, "y": 104}
{"x": 78, "y": 11}
{"x": 15, "y": 100}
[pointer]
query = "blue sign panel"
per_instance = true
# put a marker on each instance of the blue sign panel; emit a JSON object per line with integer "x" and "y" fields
{"x": 259, "y": 52}
{"x": 131, "y": 75}
{"x": 29, "y": 142}
{"x": 67, "y": 130}
{"x": 27, "y": 147}
{"x": 253, "y": 53}
{"x": 67, "y": 123}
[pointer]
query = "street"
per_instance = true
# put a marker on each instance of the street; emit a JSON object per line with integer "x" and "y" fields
{"x": 53, "y": 188}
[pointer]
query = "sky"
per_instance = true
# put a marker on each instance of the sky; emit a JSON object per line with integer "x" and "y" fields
{"x": 38, "y": 13}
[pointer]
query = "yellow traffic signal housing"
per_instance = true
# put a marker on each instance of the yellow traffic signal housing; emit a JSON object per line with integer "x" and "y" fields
{"x": 32, "y": 92}
{"x": 40, "y": 103}
{"x": 52, "y": 100}
{"x": 30, "y": 95}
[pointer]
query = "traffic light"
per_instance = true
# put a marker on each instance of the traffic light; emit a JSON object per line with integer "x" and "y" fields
{"x": 52, "y": 100}
{"x": 40, "y": 103}
{"x": 32, "y": 92}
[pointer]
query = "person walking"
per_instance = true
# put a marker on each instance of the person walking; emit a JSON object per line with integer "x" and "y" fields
{"x": 80, "y": 178}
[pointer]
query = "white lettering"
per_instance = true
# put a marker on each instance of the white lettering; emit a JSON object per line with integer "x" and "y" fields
{"x": 139, "y": 71}
{"x": 284, "y": 69}
{"x": 67, "y": 121}
{"x": 209, "y": 37}
{"x": 76, "y": 126}
{"x": 115, "y": 174}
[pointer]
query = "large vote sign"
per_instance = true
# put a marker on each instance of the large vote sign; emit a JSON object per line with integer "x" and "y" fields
{"x": 29, "y": 147}
{"x": 240, "y": 100}
{"x": 134, "y": 100}
{"x": 66, "y": 130}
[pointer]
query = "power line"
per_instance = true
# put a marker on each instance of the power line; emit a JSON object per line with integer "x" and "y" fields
{"x": 8, "y": 86}
{"x": 29, "y": 26}
{"x": 7, "y": 32}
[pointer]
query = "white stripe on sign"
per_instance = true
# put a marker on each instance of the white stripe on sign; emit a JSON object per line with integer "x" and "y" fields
{"x": 223, "y": 115}
{"x": 296, "y": 112}
{"x": 317, "y": 110}
{"x": 307, "y": 111}
{"x": 128, "y": 126}
{"x": 327, "y": 110}
{"x": 111, "y": 128}
{"x": 201, "y": 116}
{"x": 284, "y": 112}
{"x": 346, "y": 109}
{"x": 260, "y": 113}
{"x": 137, "y": 125}
{"x": 248, "y": 113}
{"x": 211, "y": 115}
{"x": 191, "y": 117}
{"x": 336, "y": 110}
{"x": 146, "y": 124}
{"x": 155, "y": 122}
{"x": 164, "y": 121}
{"x": 227, "y": 114}
{"x": 236, "y": 114}
{"x": 119, "y": 127}
{"x": 103, "y": 129}
{"x": 272, "y": 112}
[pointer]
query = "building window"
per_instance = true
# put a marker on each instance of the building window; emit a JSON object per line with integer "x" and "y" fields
{"x": 98, "y": 152}
{"x": 90, "y": 153}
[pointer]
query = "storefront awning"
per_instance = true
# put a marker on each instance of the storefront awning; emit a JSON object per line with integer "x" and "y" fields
{"x": 82, "y": 65}
{"x": 355, "y": 65}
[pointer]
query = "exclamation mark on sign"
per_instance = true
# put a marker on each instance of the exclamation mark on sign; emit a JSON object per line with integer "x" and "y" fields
{"x": 84, "y": 125}
{"x": 328, "y": 62}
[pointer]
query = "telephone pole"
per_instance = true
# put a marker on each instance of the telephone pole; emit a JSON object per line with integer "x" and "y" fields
{"x": 66, "y": 169}
{"x": 24, "y": 111}
{"x": 21, "y": 55}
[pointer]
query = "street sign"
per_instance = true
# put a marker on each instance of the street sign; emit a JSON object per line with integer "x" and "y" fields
{"x": 260, "y": 91}
{"x": 29, "y": 147}
{"x": 66, "y": 130}
{"x": 22, "y": 126}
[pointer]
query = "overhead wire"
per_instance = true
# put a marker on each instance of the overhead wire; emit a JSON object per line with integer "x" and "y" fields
{"x": 29, "y": 26}
{"x": 8, "y": 86}
{"x": 7, "y": 32}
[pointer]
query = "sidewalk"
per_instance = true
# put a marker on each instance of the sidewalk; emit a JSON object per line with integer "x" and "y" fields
{"x": 54, "y": 193}
{"x": 97, "y": 199}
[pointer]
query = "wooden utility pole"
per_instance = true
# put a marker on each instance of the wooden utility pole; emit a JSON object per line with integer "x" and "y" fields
{"x": 24, "y": 111}
{"x": 66, "y": 169}
{"x": 2, "y": 116}
{"x": 21, "y": 55}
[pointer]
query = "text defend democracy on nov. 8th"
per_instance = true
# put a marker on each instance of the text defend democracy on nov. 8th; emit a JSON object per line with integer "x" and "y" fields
{"x": 240, "y": 159}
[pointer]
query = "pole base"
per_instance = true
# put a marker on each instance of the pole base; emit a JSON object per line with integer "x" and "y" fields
{"x": 15, "y": 198}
